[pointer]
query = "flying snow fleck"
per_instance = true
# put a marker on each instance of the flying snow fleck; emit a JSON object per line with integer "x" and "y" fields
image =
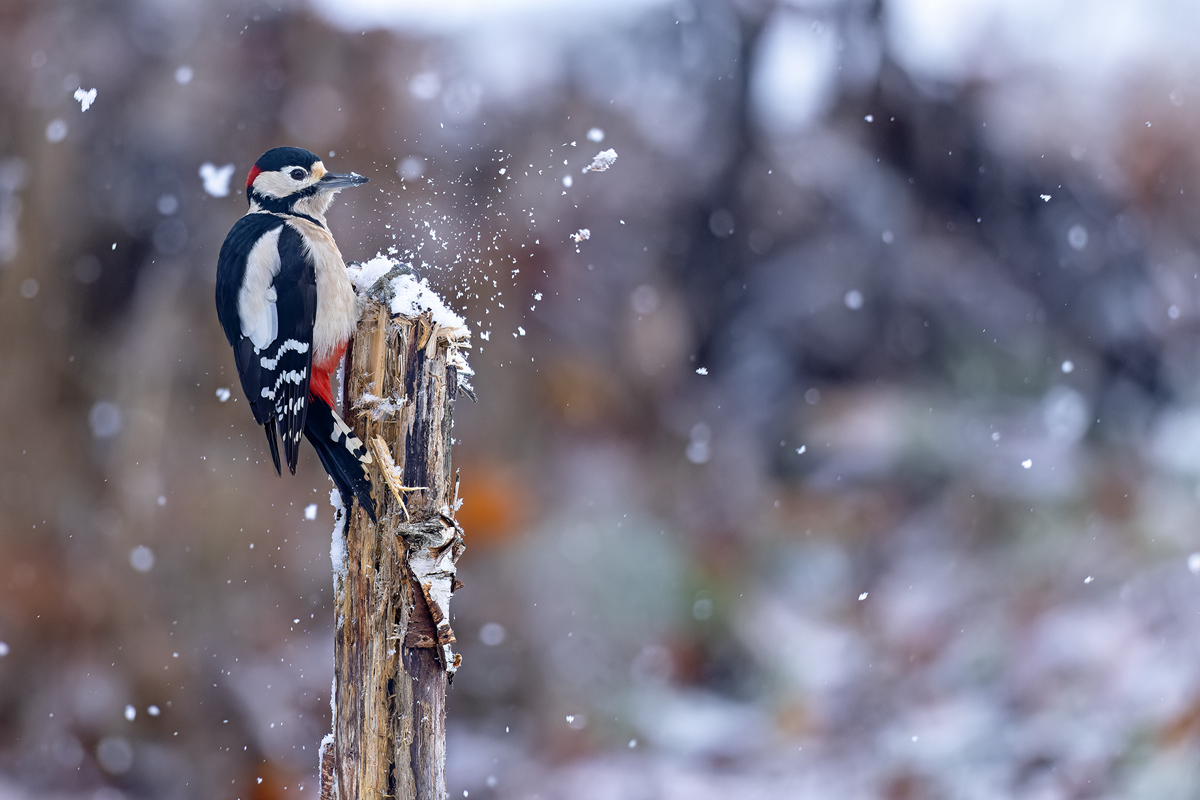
{"x": 1077, "y": 237}
{"x": 1088, "y": 579}
{"x": 1068, "y": 367}
{"x": 603, "y": 160}
{"x": 85, "y": 98}
{"x": 141, "y": 558}
{"x": 184, "y": 75}
{"x": 310, "y": 511}
{"x": 581, "y": 235}
{"x": 1027, "y": 463}
{"x": 411, "y": 168}
{"x": 699, "y": 449}
{"x": 702, "y": 371}
{"x": 115, "y": 755}
{"x": 802, "y": 449}
{"x": 853, "y": 300}
{"x": 1045, "y": 198}
{"x": 216, "y": 179}
{"x": 863, "y": 596}
{"x": 56, "y": 131}
{"x": 105, "y": 419}
{"x": 492, "y": 634}
{"x": 130, "y": 713}
{"x": 154, "y": 711}
{"x": 3, "y": 649}
{"x": 1193, "y": 563}
{"x": 425, "y": 85}
{"x": 595, "y": 135}
{"x": 223, "y": 394}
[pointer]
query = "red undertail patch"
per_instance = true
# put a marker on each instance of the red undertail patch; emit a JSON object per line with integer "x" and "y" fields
{"x": 322, "y": 375}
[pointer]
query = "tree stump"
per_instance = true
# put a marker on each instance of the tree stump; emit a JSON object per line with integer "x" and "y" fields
{"x": 393, "y": 579}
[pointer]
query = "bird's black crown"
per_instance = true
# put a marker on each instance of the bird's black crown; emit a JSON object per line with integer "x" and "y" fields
{"x": 279, "y": 157}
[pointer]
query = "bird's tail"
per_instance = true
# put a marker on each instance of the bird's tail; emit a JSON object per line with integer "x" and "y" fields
{"x": 342, "y": 454}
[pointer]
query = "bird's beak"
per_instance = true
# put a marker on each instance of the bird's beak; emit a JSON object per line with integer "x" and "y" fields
{"x": 333, "y": 180}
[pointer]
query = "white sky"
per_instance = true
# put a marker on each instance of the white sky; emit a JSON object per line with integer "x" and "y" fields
{"x": 450, "y": 16}
{"x": 1088, "y": 39}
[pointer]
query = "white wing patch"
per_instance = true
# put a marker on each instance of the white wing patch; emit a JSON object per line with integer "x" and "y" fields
{"x": 294, "y": 376}
{"x": 289, "y": 344}
{"x": 256, "y": 299}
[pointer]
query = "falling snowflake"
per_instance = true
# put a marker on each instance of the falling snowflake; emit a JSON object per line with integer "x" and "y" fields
{"x": 85, "y": 98}
{"x": 216, "y": 179}
{"x": 603, "y": 160}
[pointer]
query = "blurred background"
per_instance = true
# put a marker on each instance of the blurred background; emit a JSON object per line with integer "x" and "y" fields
{"x": 854, "y": 452}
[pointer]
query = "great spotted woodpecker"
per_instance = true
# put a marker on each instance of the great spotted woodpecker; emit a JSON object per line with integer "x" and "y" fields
{"x": 288, "y": 309}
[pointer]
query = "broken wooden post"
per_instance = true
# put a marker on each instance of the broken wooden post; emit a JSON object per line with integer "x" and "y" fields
{"x": 392, "y": 580}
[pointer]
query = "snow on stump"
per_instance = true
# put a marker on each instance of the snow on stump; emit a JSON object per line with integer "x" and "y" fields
{"x": 393, "y": 646}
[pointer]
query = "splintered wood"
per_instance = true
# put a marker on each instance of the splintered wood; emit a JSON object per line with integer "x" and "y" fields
{"x": 394, "y": 646}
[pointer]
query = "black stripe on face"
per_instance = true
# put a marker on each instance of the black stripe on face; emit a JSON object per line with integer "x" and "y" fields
{"x": 282, "y": 205}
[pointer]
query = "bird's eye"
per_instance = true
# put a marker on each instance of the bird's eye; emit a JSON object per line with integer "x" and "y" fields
{"x": 298, "y": 174}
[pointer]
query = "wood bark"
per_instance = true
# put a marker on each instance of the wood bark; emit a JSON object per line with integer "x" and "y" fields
{"x": 393, "y": 641}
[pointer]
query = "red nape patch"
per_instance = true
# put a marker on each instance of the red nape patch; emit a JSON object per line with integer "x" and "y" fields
{"x": 253, "y": 174}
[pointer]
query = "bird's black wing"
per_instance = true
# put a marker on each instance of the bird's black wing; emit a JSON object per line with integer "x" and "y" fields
{"x": 290, "y": 357}
{"x": 263, "y": 262}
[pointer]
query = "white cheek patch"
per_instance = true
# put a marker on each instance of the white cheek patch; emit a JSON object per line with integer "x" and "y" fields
{"x": 280, "y": 183}
{"x": 256, "y": 299}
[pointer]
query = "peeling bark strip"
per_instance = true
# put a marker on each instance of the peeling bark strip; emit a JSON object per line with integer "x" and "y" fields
{"x": 393, "y": 645}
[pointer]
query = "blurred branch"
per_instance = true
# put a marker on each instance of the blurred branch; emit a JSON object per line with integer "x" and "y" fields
{"x": 392, "y": 646}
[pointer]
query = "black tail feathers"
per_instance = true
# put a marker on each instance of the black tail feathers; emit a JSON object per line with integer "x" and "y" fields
{"x": 342, "y": 454}
{"x": 269, "y": 427}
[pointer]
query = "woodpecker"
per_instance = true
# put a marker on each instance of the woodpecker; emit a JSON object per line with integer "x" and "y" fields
{"x": 288, "y": 310}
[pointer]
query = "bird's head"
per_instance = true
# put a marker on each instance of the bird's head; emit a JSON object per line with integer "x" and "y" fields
{"x": 291, "y": 179}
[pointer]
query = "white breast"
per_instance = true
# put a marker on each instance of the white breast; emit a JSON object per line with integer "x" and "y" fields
{"x": 337, "y": 304}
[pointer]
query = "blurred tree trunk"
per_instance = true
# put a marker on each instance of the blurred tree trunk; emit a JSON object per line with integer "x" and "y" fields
{"x": 392, "y": 647}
